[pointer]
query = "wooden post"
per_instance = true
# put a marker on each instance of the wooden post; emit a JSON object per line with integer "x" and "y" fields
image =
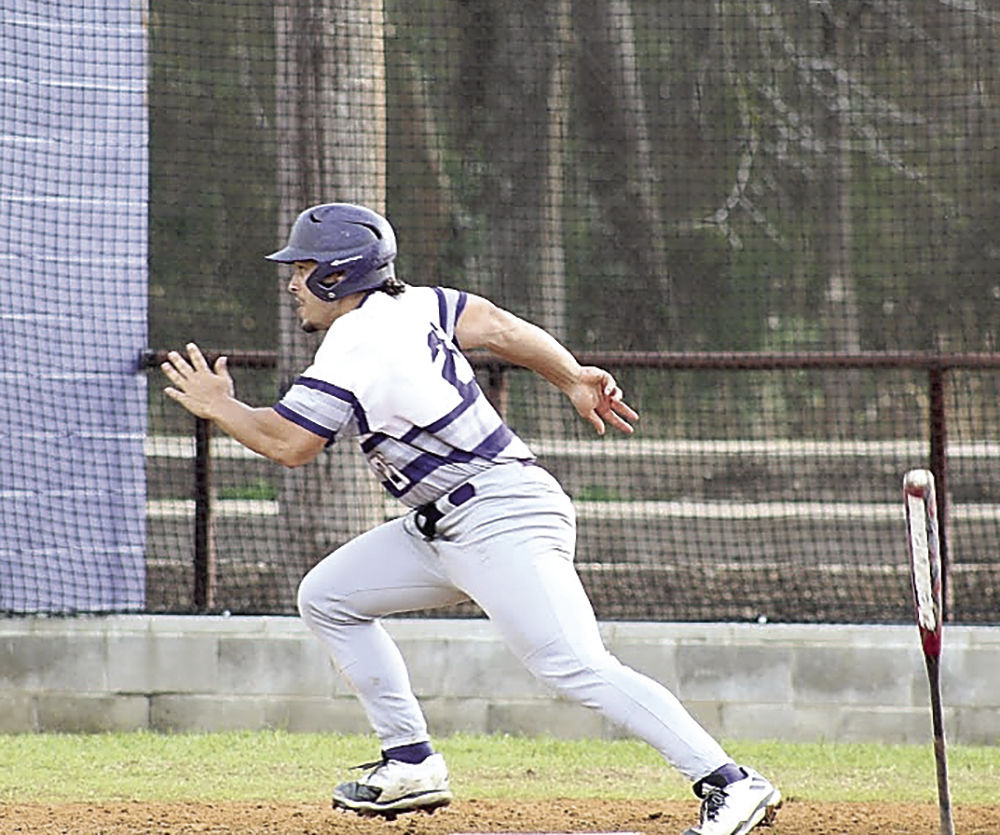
{"x": 204, "y": 540}
{"x": 938, "y": 431}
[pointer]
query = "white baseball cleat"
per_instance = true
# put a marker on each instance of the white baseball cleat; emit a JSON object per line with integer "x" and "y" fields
{"x": 393, "y": 787}
{"x": 738, "y": 807}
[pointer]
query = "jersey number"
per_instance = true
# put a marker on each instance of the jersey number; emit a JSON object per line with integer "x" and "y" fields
{"x": 442, "y": 345}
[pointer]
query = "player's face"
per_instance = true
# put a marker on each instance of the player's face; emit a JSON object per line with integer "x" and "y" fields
{"x": 314, "y": 313}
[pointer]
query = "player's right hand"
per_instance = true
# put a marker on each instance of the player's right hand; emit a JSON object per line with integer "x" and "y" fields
{"x": 198, "y": 388}
{"x": 598, "y": 400}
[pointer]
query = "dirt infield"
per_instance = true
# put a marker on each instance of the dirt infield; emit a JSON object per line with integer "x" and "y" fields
{"x": 478, "y": 816}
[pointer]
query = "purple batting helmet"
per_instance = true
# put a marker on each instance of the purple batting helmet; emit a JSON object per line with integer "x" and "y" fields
{"x": 341, "y": 238}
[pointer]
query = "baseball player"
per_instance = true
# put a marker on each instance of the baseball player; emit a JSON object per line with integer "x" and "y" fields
{"x": 487, "y": 523}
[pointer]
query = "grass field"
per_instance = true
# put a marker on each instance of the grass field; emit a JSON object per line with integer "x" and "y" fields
{"x": 284, "y": 767}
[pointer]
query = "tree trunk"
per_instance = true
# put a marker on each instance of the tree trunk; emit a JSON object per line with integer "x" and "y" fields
{"x": 842, "y": 318}
{"x": 615, "y": 112}
{"x": 525, "y": 102}
{"x": 552, "y": 304}
{"x": 523, "y": 182}
{"x": 332, "y": 130}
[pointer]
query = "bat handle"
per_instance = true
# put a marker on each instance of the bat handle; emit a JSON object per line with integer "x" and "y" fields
{"x": 940, "y": 753}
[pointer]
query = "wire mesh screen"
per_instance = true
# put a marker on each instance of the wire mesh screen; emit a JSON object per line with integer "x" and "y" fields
{"x": 700, "y": 178}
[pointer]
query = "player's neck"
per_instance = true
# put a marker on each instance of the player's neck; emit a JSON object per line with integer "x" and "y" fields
{"x": 341, "y": 307}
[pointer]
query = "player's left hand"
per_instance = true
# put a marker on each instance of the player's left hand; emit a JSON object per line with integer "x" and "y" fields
{"x": 598, "y": 399}
{"x": 197, "y": 387}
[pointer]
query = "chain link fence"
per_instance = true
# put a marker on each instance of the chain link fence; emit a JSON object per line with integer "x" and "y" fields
{"x": 794, "y": 207}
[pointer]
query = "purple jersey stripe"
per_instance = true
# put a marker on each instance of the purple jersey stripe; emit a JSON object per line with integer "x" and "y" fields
{"x": 469, "y": 396}
{"x": 341, "y": 394}
{"x": 442, "y": 310}
{"x": 304, "y": 422}
{"x": 463, "y": 297}
{"x": 496, "y": 443}
{"x": 376, "y": 438}
{"x": 411, "y": 434}
{"x": 423, "y": 465}
{"x": 373, "y": 440}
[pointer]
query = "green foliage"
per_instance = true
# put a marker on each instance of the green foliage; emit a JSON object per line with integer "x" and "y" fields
{"x": 212, "y": 174}
{"x": 692, "y": 184}
{"x": 258, "y": 489}
{"x": 598, "y": 493}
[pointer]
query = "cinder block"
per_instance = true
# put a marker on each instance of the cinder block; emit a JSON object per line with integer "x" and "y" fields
{"x": 853, "y": 676}
{"x": 179, "y": 663}
{"x": 17, "y": 713}
{"x": 198, "y": 713}
{"x": 748, "y": 720}
{"x": 162, "y": 660}
{"x": 537, "y": 717}
{"x": 316, "y": 715}
{"x": 734, "y": 673}
{"x": 212, "y": 625}
{"x": 44, "y": 625}
{"x": 206, "y": 673}
{"x": 441, "y": 629}
{"x": 347, "y": 717}
{"x": 90, "y": 713}
{"x": 56, "y": 660}
{"x": 428, "y": 661}
{"x": 812, "y": 723}
{"x": 18, "y": 664}
{"x": 131, "y": 666}
{"x": 894, "y": 638}
{"x": 708, "y": 714}
{"x": 469, "y": 668}
{"x": 972, "y": 725}
{"x": 969, "y": 678}
{"x": 654, "y": 658}
{"x": 456, "y": 715}
{"x": 280, "y": 666}
{"x": 284, "y": 626}
{"x": 891, "y": 726}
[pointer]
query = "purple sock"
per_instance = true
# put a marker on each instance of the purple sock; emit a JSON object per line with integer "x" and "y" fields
{"x": 414, "y": 754}
{"x": 720, "y": 778}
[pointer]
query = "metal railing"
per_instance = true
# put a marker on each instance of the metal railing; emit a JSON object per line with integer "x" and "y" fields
{"x": 935, "y": 365}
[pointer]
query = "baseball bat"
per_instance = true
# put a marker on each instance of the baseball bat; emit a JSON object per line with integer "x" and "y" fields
{"x": 925, "y": 574}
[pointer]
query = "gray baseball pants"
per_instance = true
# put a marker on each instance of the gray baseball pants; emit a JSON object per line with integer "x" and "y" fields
{"x": 510, "y": 549}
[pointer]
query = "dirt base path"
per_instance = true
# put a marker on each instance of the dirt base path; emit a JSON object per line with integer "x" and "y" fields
{"x": 474, "y": 816}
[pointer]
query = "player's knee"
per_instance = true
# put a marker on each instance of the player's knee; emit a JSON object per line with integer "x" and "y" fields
{"x": 305, "y": 600}
{"x": 312, "y": 599}
{"x": 318, "y": 601}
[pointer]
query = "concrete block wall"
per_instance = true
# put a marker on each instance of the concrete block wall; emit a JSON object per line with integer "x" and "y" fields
{"x": 742, "y": 681}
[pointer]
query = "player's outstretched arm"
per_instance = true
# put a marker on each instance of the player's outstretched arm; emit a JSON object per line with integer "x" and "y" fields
{"x": 208, "y": 392}
{"x": 593, "y": 391}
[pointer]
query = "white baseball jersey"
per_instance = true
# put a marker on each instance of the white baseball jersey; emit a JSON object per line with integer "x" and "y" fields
{"x": 391, "y": 374}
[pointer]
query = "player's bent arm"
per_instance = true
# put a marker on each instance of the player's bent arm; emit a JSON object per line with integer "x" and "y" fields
{"x": 209, "y": 393}
{"x": 266, "y": 432}
{"x": 484, "y": 325}
{"x": 593, "y": 391}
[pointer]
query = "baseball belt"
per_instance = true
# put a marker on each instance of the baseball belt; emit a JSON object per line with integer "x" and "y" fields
{"x": 429, "y": 514}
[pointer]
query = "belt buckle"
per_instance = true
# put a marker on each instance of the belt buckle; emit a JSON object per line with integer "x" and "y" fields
{"x": 429, "y": 514}
{"x": 426, "y": 519}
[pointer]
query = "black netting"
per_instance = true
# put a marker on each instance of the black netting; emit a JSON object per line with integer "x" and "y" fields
{"x": 659, "y": 184}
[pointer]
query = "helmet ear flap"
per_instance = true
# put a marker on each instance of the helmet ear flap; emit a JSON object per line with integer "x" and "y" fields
{"x": 323, "y": 280}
